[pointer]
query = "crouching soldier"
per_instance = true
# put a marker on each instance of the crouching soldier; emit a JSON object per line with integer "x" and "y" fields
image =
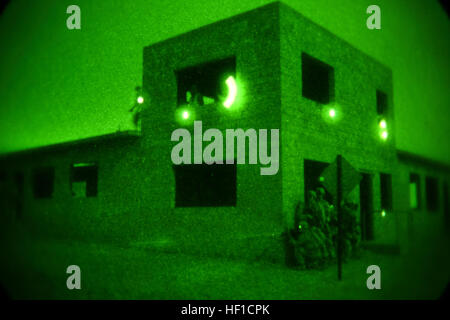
{"x": 351, "y": 230}
{"x": 311, "y": 248}
{"x": 290, "y": 238}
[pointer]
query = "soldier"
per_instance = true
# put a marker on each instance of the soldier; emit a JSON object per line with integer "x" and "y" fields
{"x": 136, "y": 109}
{"x": 194, "y": 97}
{"x": 355, "y": 231}
{"x": 291, "y": 235}
{"x": 313, "y": 208}
{"x": 323, "y": 207}
{"x": 326, "y": 216}
{"x": 332, "y": 229}
{"x": 298, "y": 215}
{"x": 300, "y": 248}
{"x": 351, "y": 231}
{"x": 310, "y": 249}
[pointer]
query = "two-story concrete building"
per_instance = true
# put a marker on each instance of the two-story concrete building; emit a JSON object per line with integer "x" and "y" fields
{"x": 325, "y": 97}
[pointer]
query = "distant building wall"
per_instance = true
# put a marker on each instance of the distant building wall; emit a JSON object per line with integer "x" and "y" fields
{"x": 103, "y": 217}
{"x": 420, "y": 221}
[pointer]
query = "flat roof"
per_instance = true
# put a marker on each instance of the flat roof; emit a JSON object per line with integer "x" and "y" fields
{"x": 422, "y": 161}
{"x": 72, "y": 143}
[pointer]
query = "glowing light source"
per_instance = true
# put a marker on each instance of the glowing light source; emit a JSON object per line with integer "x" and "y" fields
{"x": 185, "y": 115}
{"x": 140, "y": 99}
{"x": 332, "y": 113}
{"x": 384, "y": 135}
{"x": 383, "y": 124}
{"x": 383, "y": 213}
{"x": 232, "y": 92}
{"x": 84, "y": 164}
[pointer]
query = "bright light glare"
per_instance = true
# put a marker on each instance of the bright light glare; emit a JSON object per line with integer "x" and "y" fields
{"x": 185, "y": 115}
{"x": 384, "y": 135}
{"x": 383, "y": 213}
{"x": 140, "y": 100}
{"x": 332, "y": 113}
{"x": 232, "y": 91}
{"x": 383, "y": 124}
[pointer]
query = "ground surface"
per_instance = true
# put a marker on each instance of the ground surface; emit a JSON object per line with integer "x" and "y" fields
{"x": 33, "y": 268}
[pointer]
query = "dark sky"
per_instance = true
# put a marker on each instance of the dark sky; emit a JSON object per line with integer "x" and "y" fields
{"x": 58, "y": 85}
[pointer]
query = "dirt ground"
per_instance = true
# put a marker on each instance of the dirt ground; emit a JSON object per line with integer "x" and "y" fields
{"x": 36, "y": 269}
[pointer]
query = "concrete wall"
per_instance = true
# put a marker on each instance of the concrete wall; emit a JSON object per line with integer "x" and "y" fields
{"x": 307, "y": 130}
{"x": 253, "y": 39}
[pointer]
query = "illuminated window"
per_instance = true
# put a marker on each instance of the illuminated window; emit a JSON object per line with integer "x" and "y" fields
{"x": 42, "y": 182}
{"x": 206, "y": 83}
{"x": 203, "y": 185}
{"x": 414, "y": 191}
{"x": 317, "y": 80}
{"x": 84, "y": 180}
{"x": 432, "y": 193}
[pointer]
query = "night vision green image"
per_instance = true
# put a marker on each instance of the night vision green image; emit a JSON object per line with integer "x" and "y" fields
{"x": 224, "y": 150}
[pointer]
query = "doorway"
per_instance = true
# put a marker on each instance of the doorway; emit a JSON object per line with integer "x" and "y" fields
{"x": 366, "y": 207}
{"x": 312, "y": 171}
